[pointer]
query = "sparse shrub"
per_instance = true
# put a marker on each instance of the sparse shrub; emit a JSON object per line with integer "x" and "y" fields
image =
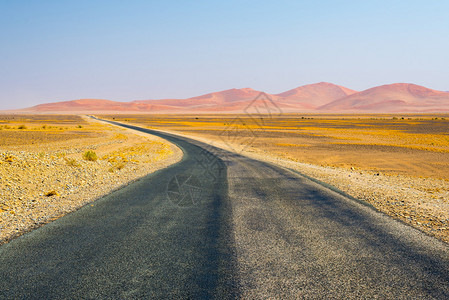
{"x": 120, "y": 165}
{"x": 90, "y": 155}
{"x": 52, "y": 193}
{"x": 44, "y": 126}
{"x": 120, "y": 136}
{"x": 71, "y": 162}
{"x": 9, "y": 158}
{"x": 79, "y": 126}
{"x": 22, "y": 127}
{"x": 117, "y": 166}
{"x": 117, "y": 163}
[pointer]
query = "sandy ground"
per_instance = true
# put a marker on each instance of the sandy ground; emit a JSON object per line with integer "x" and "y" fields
{"x": 44, "y": 176}
{"x": 408, "y": 181}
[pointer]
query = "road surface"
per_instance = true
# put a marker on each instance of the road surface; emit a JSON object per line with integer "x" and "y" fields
{"x": 220, "y": 225}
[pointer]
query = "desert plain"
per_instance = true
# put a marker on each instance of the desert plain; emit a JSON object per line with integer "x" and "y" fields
{"x": 51, "y": 165}
{"x": 399, "y": 164}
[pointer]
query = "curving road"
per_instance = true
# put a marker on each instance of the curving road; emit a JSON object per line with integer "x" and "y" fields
{"x": 220, "y": 225}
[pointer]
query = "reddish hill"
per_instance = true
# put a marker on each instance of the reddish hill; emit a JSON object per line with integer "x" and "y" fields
{"x": 76, "y": 105}
{"x": 319, "y": 97}
{"x": 97, "y": 105}
{"x": 218, "y": 99}
{"x": 314, "y": 95}
{"x": 398, "y": 97}
{"x": 231, "y": 95}
{"x": 300, "y": 99}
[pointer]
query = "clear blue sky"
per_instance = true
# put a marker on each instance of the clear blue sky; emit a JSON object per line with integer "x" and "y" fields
{"x": 128, "y": 50}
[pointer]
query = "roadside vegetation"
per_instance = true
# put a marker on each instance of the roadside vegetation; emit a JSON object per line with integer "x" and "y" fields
{"x": 398, "y": 163}
{"x": 90, "y": 155}
{"x": 53, "y": 164}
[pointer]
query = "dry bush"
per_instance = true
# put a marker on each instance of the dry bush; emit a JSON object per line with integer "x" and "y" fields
{"x": 120, "y": 136}
{"x": 9, "y": 158}
{"x": 90, "y": 155}
{"x": 52, "y": 193}
{"x": 22, "y": 127}
{"x": 71, "y": 162}
{"x": 120, "y": 165}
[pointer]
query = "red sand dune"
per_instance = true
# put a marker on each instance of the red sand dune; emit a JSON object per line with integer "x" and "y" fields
{"x": 75, "y": 105}
{"x": 312, "y": 98}
{"x": 398, "y": 97}
{"x": 314, "y": 95}
{"x": 209, "y": 100}
{"x": 98, "y": 105}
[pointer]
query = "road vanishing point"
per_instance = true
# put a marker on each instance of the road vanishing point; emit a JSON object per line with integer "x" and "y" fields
{"x": 221, "y": 225}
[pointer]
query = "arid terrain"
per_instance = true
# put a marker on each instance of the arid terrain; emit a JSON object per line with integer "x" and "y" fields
{"x": 51, "y": 165}
{"x": 322, "y": 97}
{"x": 397, "y": 163}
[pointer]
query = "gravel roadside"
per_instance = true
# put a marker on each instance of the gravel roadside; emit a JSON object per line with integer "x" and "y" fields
{"x": 40, "y": 183}
{"x": 420, "y": 202}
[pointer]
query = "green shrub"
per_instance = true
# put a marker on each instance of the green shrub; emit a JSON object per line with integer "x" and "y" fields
{"x": 90, "y": 155}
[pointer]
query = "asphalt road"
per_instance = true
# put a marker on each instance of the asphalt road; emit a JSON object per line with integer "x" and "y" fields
{"x": 220, "y": 225}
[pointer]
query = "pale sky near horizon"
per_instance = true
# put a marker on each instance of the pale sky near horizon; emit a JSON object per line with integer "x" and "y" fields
{"x": 129, "y": 50}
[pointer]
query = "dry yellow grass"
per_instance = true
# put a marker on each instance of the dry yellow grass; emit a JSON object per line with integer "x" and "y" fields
{"x": 44, "y": 172}
{"x": 385, "y": 137}
{"x": 400, "y": 164}
{"x": 415, "y": 145}
{"x": 18, "y": 130}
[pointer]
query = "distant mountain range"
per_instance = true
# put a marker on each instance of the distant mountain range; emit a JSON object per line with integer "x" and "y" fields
{"x": 321, "y": 97}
